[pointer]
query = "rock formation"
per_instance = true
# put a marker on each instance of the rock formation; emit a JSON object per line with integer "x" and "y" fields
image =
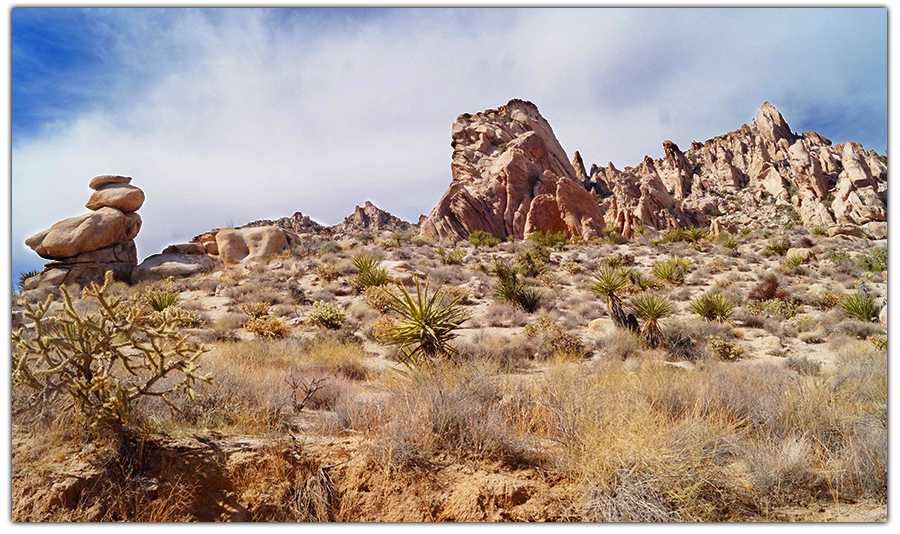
{"x": 297, "y": 222}
{"x": 744, "y": 175}
{"x": 85, "y": 247}
{"x": 370, "y": 218}
{"x": 511, "y": 177}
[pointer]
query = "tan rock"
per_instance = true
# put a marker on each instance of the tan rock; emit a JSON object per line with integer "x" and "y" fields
{"x": 161, "y": 266}
{"x": 602, "y": 327}
{"x": 127, "y": 198}
{"x": 84, "y": 233}
{"x": 804, "y": 253}
{"x": 719, "y": 226}
{"x": 508, "y": 168}
{"x": 185, "y": 248}
{"x": 106, "y": 179}
{"x": 845, "y": 229}
{"x": 249, "y": 244}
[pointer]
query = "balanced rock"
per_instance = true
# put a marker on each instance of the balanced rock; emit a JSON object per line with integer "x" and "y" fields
{"x": 511, "y": 177}
{"x": 106, "y": 179}
{"x": 83, "y": 269}
{"x": 127, "y": 198}
{"x": 248, "y": 244}
{"x": 92, "y": 231}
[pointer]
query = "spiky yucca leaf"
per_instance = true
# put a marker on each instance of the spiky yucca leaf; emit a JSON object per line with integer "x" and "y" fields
{"x": 425, "y": 325}
{"x": 653, "y": 308}
{"x": 370, "y": 272}
{"x": 859, "y": 307}
{"x": 713, "y": 307}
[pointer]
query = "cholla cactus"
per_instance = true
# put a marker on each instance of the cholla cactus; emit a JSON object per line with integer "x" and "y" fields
{"x": 103, "y": 361}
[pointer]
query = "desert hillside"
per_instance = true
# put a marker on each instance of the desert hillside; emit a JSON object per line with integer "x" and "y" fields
{"x": 699, "y": 338}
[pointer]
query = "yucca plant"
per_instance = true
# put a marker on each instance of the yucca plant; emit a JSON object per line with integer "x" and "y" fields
{"x": 159, "y": 299}
{"x": 510, "y": 289}
{"x": 775, "y": 247}
{"x": 24, "y": 276}
{"x": 370, "y": 272}
{"x": 859, "y": 307}
{"x": 693, "y": 235}
{"x": 673, "y": 234}
{"x": 609, "y": 283}
{"x": 653, "y": 308}
{"x": 713, "y": 307}
{"x": 425, "y": 326}
{"x": 671, "y": 270}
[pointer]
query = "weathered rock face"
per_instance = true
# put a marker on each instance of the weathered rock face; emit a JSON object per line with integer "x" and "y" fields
{"x": 249, "y": 244}
{"x": 87, "y": 246}
{"x": 750, "y": 176}
{"x": 511, "y": 177}
{"x": 160, "y": 266}
{"x": 297, "y": 223}
{"x": 370, "y": 218}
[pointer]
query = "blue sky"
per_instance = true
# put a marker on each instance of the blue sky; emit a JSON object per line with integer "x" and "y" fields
{"x": 227, "y": 116}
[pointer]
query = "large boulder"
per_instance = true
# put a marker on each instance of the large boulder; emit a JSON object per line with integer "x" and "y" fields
{"x": 83, "y": 269}
{"x": 160, "y": 266}
{"x": 511, "y": 177}
{"x": 127, "y": 198}
{"x": 249, "y": 244}
{"x": 98, "y": 182}
{"x": 92, "y": 231}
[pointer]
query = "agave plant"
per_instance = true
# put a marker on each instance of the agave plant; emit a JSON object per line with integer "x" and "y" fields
{"x": 713, "y": 307}
{"x": 609, "y": 283}
{"x": 653, "y": 308}
{"x": 693, "y": 235}
{"x": 672, "y": 270}
{"x": 510, "y": 289}
{"x": 861, "y": 307}
{"x": 425, "y": 327}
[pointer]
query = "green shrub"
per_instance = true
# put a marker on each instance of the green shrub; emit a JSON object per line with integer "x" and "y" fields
{"x": 102, "y": 362}
{"x": 874, "y": 261}
{"x": 329, "y": 248}
{"x": 859, "y": 307}
{"x": 327, "y": 315}
{"x": 512, "y": 290}
{"x": 550, "y": 240}
{"x": 480, "y": 238}
{"x": 531, "y": 262}
{"x": 451, "y": 257}
{"x": 819, "y": 230}
{"x": 425, "y": 327}
{"x": 723, "y": 349}
{"x": 672, "y": 270}
{"x": 713, "y": 307}
{"x": 775, "y": 247}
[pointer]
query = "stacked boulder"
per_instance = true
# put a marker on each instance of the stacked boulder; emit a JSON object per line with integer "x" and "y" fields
{"x": 83, "y": 248}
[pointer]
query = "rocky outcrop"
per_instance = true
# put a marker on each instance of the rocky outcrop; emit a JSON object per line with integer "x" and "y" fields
{"x": 161, "y": 266}
{"x": 756, "y": 175}
{"x": 86, "y": 246}
{"x": 297, "y": 222}
{"x": 249, "y": 244}
{"x": 511, "y": 177}
{"x": 370, "y": 218}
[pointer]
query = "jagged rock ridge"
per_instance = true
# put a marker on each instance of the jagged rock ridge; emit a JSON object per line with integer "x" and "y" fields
{"x": 736, "y": 177}
{"x": 371, "y": 218}
{"x": 511, "y": 177}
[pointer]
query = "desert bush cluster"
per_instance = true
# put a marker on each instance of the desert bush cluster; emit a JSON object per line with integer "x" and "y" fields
{"x": 670, "y": 376}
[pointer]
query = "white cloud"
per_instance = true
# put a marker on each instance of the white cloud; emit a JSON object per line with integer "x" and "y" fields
{"x": 238, "y": 115}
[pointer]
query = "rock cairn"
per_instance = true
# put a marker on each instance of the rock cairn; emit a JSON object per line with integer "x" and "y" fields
{"x": 83, "y": 248}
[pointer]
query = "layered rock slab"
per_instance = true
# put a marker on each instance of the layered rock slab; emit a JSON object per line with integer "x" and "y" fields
{"x": 511, "y": 177}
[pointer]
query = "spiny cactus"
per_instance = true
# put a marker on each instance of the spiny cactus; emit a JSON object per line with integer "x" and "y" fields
{"x": 104, "y": 361}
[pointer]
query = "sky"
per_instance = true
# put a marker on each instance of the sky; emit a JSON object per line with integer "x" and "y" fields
{"x": 225, "y": 116}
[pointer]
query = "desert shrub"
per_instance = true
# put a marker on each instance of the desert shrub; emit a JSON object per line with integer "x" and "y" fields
{"x": 874, "y": 260}
{"x": 101, "y": 362}
{"x": 825, "y": 300}
{"x": 554, "y": 342}
{"x": 548, "y": 239}
{"x": 724, "y": 349}
{"x": 328, "y": 272}
{"x": 803, "y": 365}
{"x": 326, "y": 315}
{"x": 257, "y": 309}
{"x": 370, "y": 272}
{"x": 377, "y": 297}
{"x": 693, "y": 235}
{"x": 425, "y": 326}
{"x": 504, "y": 314}
{"x": 791, "y": 263}
{"x": 267, "y": 326}
{"x": 480, "y": 238}
{"x": 860, "y": 307}
{"x": 775, "y": 247}
{"x": 773, "y": 307}
{"x": 713, "y": 306}
{"x": 673, "y": 235}
{"x": 329, "y": 247}
{"x": 728, "y": 241}
{"x": 452, "y": 256}
{"x": 176, "y": 316}
{"x": 767, "y": 289}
